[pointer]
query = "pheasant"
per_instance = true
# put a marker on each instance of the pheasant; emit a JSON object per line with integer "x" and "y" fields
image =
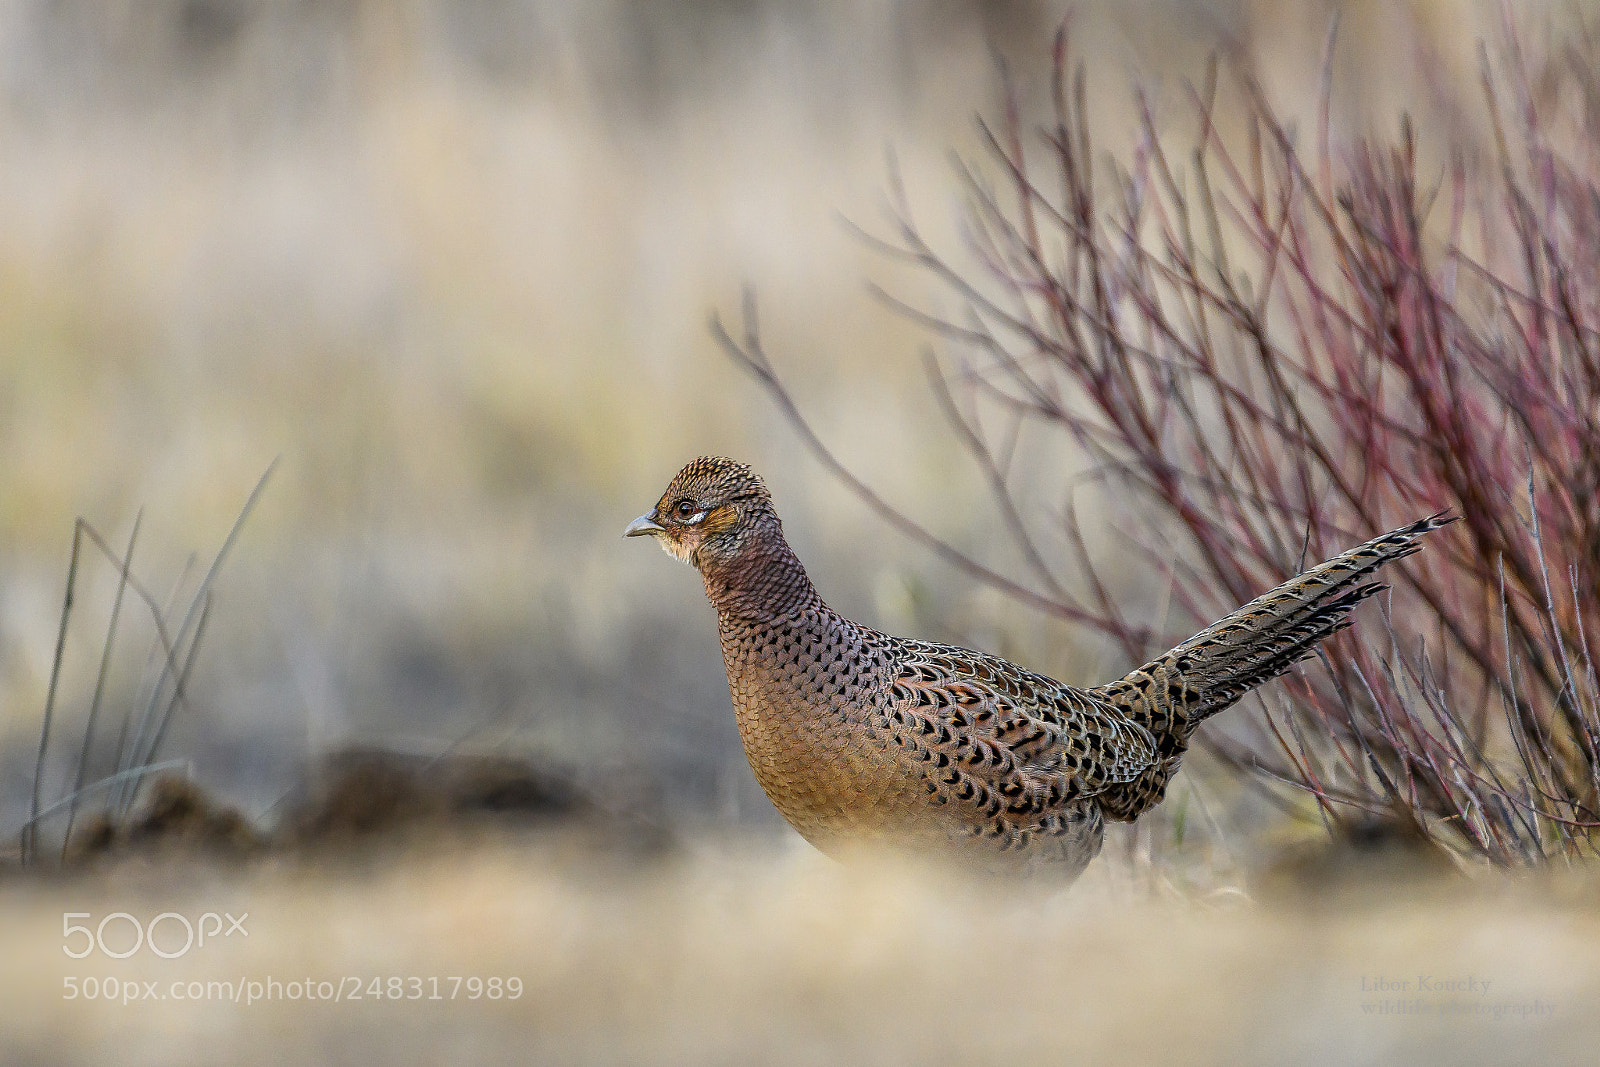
{"x": 858, "y": 736}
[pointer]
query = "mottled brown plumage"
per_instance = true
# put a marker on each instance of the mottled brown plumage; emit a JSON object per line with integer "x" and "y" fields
{"x": 857, "y": 735}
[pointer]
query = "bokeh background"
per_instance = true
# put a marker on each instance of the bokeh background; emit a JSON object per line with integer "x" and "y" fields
{"x": 451, "y": 265}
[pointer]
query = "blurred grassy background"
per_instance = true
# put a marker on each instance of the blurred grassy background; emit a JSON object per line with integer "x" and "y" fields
{"x": 453, "y": 263}
{"x": 796, "y": 960}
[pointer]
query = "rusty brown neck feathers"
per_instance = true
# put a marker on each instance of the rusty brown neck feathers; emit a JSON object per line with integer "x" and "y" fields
{"x": 763, "y": 579}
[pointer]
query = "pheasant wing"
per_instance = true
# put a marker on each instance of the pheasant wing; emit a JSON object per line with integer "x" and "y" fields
{"x": 1030, "y": 740}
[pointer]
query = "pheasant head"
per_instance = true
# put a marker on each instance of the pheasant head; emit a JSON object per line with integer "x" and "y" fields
{"x": 712, "y": 514}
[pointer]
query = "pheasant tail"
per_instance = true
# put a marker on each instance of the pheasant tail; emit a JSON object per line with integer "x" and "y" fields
{"x": 1175, "y": 692}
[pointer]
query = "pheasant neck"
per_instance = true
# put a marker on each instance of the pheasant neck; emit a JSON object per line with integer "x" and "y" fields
{"x": 765, "y": 580}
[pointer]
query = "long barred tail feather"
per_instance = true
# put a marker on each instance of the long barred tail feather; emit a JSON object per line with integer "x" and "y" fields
{"x": 1264, "y": 638}
{"x": 1210, "y": 671}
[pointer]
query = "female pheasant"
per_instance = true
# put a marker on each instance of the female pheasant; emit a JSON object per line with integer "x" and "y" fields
{"x": 860, "y": 736}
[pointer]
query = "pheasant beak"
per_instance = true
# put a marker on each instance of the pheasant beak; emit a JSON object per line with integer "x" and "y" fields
{"x": 644, "y": 524}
